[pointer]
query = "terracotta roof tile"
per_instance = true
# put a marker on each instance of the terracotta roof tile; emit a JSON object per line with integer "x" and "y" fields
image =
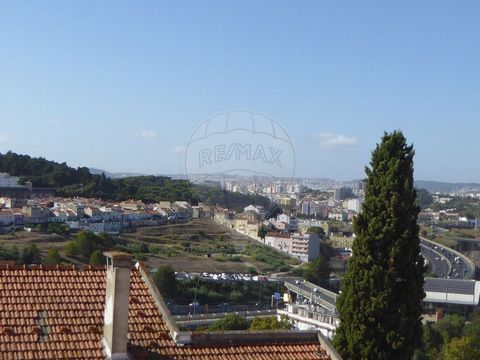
{"x": 53, "y": 312}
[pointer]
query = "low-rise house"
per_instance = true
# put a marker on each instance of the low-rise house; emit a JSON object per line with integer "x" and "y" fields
{"x": 77, "y": 208}
{"x": 221, "y": 216}
{"x": 293, "y": 224}
{"x": 198, "y": 213}
{"x": 339, "y": 216}
{"x": 132, "y": 205}
{"x": 93, "y": 212}
{"x": 106, "y": 227}
{"x": 182, "y": 210}
{"x": 280, "y": 225}
{"x": 7, "y": 202}
{"x": 279, "y": 241}
{"x": 19, "y": 217}
{"x": 7, "y": 221}
{"x": 283, "y": 218}
{"x": 36, "y": 214}
{"x": 60, "y": 215}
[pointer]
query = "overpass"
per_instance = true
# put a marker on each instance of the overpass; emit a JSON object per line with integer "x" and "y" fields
{"x": 437, "y": 290}
{"x": 315, "y": 294}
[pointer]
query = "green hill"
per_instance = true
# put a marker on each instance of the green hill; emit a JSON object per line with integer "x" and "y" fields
{"x": 70, "y": 182}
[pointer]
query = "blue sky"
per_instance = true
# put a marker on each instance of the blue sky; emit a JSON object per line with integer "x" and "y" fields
{"x": 121, "y": 85}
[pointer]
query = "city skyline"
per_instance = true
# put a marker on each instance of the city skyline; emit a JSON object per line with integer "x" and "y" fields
{"x": 122, "y": 88}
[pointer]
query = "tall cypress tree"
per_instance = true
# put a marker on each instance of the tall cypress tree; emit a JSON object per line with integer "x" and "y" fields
{"x": 382, "y": 292}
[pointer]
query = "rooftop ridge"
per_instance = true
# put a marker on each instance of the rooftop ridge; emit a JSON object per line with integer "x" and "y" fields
{"x": 181, "y": 338}
{"x": 82, "y": 267}
{"x": 245, "y": 337}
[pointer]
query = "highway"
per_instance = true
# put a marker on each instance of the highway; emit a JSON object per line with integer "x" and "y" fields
{"x": 437, "y": 262}
{"x": 446, "y": 262}
{"x": 211, "y": 317}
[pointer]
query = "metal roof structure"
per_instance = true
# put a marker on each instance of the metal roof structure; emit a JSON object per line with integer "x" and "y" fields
{"x": 466, "y": 287}
{"x": 452, "y": 291}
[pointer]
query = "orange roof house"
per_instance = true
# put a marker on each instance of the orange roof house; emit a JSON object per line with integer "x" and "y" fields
{"x": 93, "y": 313}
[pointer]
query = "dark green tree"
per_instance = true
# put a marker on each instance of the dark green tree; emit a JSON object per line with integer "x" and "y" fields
{"x": 86, "y": 243}
{"x": 12, "y": 253}
{"x": 229, "y": 322}
{"x": 271, "y": 323}
{"x": 432, "y": 341}
{"x": 317, "y": 272}
{"x": 165, "y": 279}
{"x": 53, "y": 257}
{"x": 451, "y": 326}
{"x": 31, "y": 255}
{"x": 262, "y": 231}
{"x": 97, "y": 258}
{"x": 382, "y": 292}
{"x": 463, "y": 348}
{"x": 424, "y": 199}
{"x": 317, "y": 230}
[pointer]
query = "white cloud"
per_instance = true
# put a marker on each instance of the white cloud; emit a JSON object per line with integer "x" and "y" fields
{"x": 148, "y": 134}
{"x": 178, "y": 149}
{"x": 328, "y": 139}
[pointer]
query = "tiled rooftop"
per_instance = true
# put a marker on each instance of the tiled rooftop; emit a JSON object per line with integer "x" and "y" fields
{"x": 57, "y": 313}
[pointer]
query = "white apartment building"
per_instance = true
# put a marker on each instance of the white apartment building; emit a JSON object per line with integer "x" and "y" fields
{"x": 305, "y": 247}
{"x": 283, "y": 218}
{"x": 353, "y": 205}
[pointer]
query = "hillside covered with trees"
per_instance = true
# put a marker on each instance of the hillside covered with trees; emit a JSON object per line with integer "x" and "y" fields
{"x": 70, "y": 182}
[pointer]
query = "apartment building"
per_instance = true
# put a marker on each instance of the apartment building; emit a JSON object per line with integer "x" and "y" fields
{"x": 305, "y": 247}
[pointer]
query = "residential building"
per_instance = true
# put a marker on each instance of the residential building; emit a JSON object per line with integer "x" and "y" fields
{"x": 342, "y": 193}
{"x": 283, "y": 218}
{"x": 280, "y": 225}
{"x": 339, "y": 216}
{"x": 354, "y": 205}
{"x": 305, "y": 247}
{"x": 8, "y": 181}
{"x": 7, "y": 202}
{"x": 36, "y": 213}
{"x": 293, "y": 224}
{"x": 7, "y": 221}
{"x": 279, "y": 241}
{"x": 307, "y": 208}
{"x": 132, "y": 205}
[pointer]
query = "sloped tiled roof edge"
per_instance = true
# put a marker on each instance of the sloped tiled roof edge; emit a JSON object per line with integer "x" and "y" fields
{"x": 253, "y": 337}
{"x": 180, "y": 337}
{"x": 329, "y": 349}
{"x": 7, "y": 265}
